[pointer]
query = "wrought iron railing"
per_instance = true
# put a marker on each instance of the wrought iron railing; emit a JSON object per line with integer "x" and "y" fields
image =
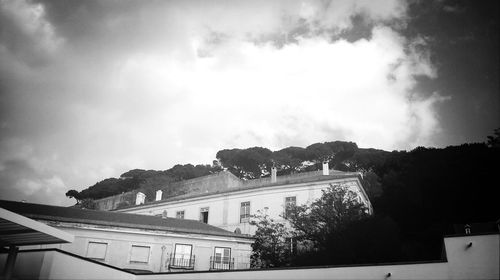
{"x": 181, "y": 262}
{"x": 218, "y": 263}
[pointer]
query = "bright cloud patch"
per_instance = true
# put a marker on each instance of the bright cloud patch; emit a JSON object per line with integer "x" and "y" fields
{"x": 153, "y": 84}
{"x": 246, "y": 94}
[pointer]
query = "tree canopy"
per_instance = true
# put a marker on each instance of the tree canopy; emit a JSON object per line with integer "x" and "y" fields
{"x": 73, "y": 194}
{"x": 421, "y": 192}
{"x": 334, "y": 229}
{"x": 337, "y": 208}
{"x": 147, "y": 181}
{"x": 270, "y": 248}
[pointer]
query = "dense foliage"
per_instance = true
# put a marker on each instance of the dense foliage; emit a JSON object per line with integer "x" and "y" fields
{"x": 337, "y": 208}
{"x": 147, "y": 181}
{"x": 270, "y": 248}
{"x": 334, "y": 229}
{"x": 256, "y": 162}
{"x": 418, "y": 195}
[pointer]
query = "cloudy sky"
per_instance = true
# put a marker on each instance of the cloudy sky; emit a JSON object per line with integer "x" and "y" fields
{"x": 91, "y": 89}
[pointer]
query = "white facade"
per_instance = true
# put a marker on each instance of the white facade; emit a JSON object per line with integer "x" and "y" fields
{"x": 150, "y": 250}
{"x": 227, "y": 209}
{"x": 478, "y": 261}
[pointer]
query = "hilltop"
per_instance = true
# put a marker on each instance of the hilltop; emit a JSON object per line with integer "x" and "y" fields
{"x": 424, "y": 193}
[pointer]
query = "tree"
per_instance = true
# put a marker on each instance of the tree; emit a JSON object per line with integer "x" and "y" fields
{"x": 74, "y": 194}
{"x": 289, "y": 160}
{"x": 270, "y": 247}
{"x": 374, "y": 239}
{"x": 333, "y": 212}
{"x": 314, "y": 226}
{"x": 249, "y": 163}
{"x": 494, "y": 140}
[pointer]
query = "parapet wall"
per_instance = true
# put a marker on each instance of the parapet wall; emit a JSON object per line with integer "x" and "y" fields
{"x": 211, "y": 183}
{"x": 112, "y": 202}
{"x": 295, "y": 176}
{"x": 477, "y": 261}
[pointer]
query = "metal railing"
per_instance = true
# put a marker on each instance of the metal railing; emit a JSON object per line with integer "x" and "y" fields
{"x": 181, "y": 262}
{"x": 218, "y": 263}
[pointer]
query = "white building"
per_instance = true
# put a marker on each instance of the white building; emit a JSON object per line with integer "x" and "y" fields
{"x": 140, "y": 243}
{"x": 229, "y": 207}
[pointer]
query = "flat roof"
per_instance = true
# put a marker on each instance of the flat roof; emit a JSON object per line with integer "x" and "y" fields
{"x": 17, "y": 230}
{"x": 298, "y": 178}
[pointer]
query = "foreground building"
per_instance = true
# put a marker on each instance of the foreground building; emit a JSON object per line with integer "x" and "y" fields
{"x": 464, "y": 257}
{"x": 138, "y": 242}
{"x": 230, "y": 203}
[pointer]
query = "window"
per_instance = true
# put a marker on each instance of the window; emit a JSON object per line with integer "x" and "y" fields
{"x": 140, "y": 254}
{"x": 204, "y": 215}
{"x": 97, "y": 250}
{"x": 179, "y": 214}
{"x": 221, "y": 258}
{"x": 183, "y": 256}
{"x": 289, "y": 203}
{"x": 245, "y": 212}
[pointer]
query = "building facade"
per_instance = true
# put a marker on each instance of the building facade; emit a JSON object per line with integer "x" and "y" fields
{"x": 139, "y": 243}
{"x": 230, "y": 208}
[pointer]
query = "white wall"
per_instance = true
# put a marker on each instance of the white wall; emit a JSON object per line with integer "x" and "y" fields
{"x": 56, "y": 265}
{"x": 476, "y": 261}
{"x": 480, "y": 261}
{"x": 224, "y": 209}
{"x": 120, "y": 240}
{"x": 411, "y": 271}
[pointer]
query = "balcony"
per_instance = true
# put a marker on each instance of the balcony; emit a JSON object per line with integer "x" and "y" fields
{"x": 218, "y": 263}
{"x": 185, "y": 262}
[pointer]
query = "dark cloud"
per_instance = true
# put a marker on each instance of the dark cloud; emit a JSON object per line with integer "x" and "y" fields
{"x": 91, "y": 89}
{"x": 463, "y": 41}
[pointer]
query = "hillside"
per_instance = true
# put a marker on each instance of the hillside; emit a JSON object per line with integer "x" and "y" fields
{"x": 422, "y": 193}
{"x": 146, "y": 181}
{"x": 246, "y": 164}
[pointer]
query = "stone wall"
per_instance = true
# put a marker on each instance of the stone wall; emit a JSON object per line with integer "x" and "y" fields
{"x": 210, "y": 183}
{"x": 115, "y": 201}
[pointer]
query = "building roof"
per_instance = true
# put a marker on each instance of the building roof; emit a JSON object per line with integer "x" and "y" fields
{"x": 17, "y": 230}
{"x": 298, "y": 178}
{"x": 76, "y": 215}
{"x": 266, "y": 182}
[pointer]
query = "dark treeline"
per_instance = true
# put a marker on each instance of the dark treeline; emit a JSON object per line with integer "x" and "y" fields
{"x": 147, "y": 181}
{"x": 419, "y": 194}
{"x": 426, "y": 191}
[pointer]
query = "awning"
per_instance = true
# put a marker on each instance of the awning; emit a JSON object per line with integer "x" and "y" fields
{"x": 17, "y": 230}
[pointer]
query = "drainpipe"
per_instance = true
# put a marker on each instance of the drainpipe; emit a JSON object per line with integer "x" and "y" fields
{"x": 162, "y": 259}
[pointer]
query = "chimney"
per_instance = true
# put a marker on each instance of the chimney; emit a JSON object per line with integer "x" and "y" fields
{"x": 326, "y": 171}
{"x": 158, "y": 195}
{"x": 273, "y": 174}
{"x": 140, "y": 198}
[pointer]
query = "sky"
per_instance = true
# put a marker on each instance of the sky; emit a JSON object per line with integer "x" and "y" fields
{"x": 92, "y": 89}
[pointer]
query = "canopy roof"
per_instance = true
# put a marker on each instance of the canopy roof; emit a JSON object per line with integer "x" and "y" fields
{"x": 17, "y": 230}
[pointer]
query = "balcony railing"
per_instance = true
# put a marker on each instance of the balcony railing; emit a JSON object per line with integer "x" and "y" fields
{"x": 218, "y": 263}
{"x": 181, "y": 262}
